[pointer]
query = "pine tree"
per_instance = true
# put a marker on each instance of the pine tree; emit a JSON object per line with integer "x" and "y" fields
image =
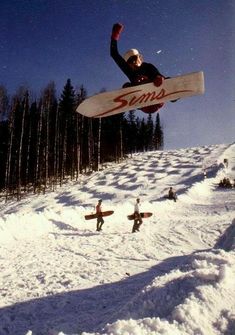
{"x": 143, "y": 136}
{"x": 39, "y": 165}
{"x": 130, "y": 133}
{"x": 25, "y": 108}
{"x": 99, "y": 144}
{"x": 4, "y": 103}
{"x": 4, "y": 133}
{"x": 50, "y": 117}
{"x": 67, "y": 106}
{"x": 8, "y": 172}
{"x": 149, "y": 132}
{"x": 158, "y": 140}
{"x": 79, "y": 129}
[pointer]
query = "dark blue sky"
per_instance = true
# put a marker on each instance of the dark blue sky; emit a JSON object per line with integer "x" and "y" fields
{"x": 44, "y": 40}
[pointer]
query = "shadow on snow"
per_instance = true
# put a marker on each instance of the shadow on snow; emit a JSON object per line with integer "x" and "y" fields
{"x": 91, "y": 309}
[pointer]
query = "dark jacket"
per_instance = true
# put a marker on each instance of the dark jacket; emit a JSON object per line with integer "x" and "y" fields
{"x": 144, "y": 74}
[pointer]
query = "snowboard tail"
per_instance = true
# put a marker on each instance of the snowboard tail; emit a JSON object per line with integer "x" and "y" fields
{"x": 144, "y": 215}
{"x": 95, "y": 216}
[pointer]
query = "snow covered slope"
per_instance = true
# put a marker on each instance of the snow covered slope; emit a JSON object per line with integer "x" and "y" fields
{"x": 176, "y": 276}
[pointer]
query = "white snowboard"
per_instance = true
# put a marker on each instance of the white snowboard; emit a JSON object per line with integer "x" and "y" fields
{"x": 135, "y": 97}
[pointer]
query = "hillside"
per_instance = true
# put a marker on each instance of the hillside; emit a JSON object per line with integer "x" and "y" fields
{"x": 176, "y": 276}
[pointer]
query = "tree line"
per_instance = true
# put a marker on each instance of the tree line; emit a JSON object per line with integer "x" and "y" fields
{"x": 44, "y": 142}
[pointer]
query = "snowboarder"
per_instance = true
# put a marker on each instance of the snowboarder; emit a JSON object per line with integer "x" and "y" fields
{"x": 100, "y": 220}
{"x": 134, "y": 67}
{"x": 226, "y": 162}
{"x": 137, "y": 217}
{"x": 172, "y": 194}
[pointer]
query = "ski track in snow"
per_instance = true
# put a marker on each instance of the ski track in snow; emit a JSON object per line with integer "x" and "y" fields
{"x": 59, "y": 276}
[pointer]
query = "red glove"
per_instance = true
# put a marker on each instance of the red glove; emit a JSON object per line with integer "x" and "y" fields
{"x": 116, "y": 31}
{"x": 158, "y": 81}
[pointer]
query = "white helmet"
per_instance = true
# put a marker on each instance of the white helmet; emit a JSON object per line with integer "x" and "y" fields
{"x": 130, "y": 53}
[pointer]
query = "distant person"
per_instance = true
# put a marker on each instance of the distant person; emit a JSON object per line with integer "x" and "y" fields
{"x": 100, "y": 220}
{"x": 228, "y": 183}
{"x": 137, "y": 217}
{"x": 133, "y": 66}
{"x": 172, "y": 194}
{"x": 221, "y": 183}
{"x": 204, "y": 174}
{"x": 225, "y": 182}
{"x": 226, "y": 162}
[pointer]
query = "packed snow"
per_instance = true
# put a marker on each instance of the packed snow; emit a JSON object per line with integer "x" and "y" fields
{"x": 174, "y": 277}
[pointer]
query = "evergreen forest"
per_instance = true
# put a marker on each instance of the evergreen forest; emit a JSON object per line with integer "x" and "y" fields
{"x": 44, "y": 142}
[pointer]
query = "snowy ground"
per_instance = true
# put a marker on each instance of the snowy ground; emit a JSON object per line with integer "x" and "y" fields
{"x": 174, "y": 277}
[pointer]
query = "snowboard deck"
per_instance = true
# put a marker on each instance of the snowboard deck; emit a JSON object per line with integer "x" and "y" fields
{"x": 136, "y": 97}
{"x": 95, "y": 216}
{"x": 144, "y": 215}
